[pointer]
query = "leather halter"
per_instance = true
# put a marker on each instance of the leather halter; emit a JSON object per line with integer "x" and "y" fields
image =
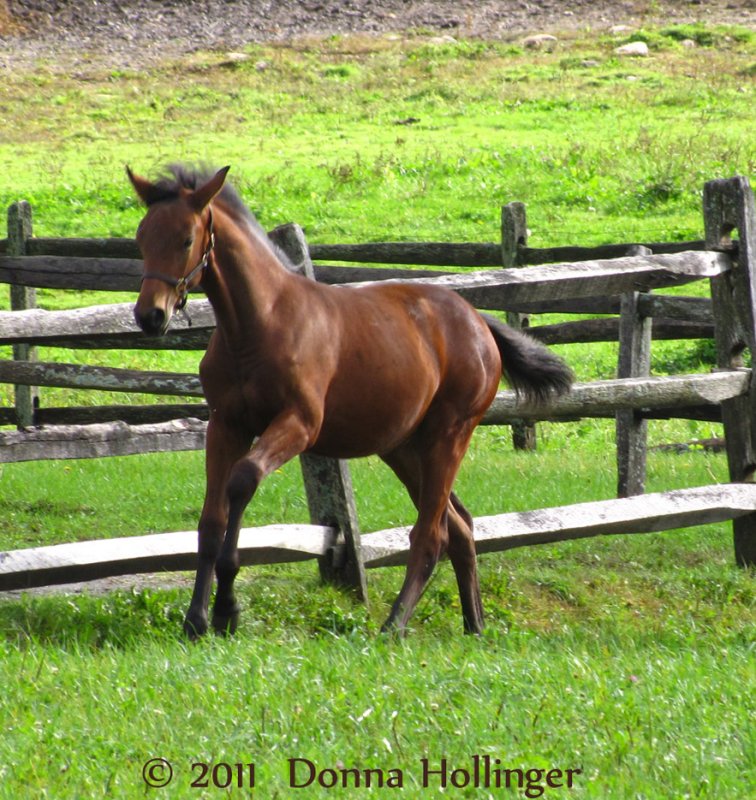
{"x": 181, "y": 285}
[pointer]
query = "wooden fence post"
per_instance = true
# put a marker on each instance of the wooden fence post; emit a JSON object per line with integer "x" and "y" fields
{"x": 634, "y": 361}
{"x": 22, "y": 298}
{"x": 328, "y": 482}
{"x": 514, "y": 235}
{"x": 729, "y": 205}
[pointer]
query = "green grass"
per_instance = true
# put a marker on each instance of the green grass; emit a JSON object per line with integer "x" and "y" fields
{"x": 601, "y": 152}
{"x": 600, "y": 706}
{"x": 629, "y": 657}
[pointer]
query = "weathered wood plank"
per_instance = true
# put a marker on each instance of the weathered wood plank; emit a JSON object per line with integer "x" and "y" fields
{"x": 74, "y": 247}
{"x": 366, "y": 253}
{"x": 132, "y": 414}
{"x": 331, "y": 501}
{"x": 81, "y": 561}
{"x": 108, "y": 273}
{"x": 101, "y": 440}
{"x": 113, "y": 321}
{"x": 696, "y": 309}
{"x": 687, "y": 309}
{"x": 634, "y": 361}
{"x": 586, "y": 287}
{"x": 173, "y": 340}
{"x": 514, "y": 236}
{"x": 420, "y": 253}
{"x": 607, "y": 330}
{"x": 430, "y": 253}
{"x": 85, "y": 561}
{"x": 603, "y": 398}
{"x": 488, "y": 288}
{"x": 111, "y": 379}
{"x": 729, "y": 205}
{"x": 60, "y": 272}
{"x": 112, "y": 326}
{"x": 549, "y": 255}
{"x": 641, "y": 514}
{"x": 335, "y": 274}
{"x": 708, "y": 413}
{"x": 442, "y": 254}
{"x": 588, "y": 399}
{"x": 22, "y": 297}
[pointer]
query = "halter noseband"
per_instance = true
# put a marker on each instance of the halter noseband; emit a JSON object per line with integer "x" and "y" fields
{"x": 181, "y": 285}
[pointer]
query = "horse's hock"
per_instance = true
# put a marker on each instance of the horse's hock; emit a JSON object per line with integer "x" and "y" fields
{"x": 615, "y": 280}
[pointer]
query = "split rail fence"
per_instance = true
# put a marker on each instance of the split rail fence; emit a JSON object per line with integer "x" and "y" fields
{"x": 508, "y": 276}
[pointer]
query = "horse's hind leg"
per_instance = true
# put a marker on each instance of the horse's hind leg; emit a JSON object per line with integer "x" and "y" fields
{"x": 462, "y": 554}
{"x": 428, "y": 472}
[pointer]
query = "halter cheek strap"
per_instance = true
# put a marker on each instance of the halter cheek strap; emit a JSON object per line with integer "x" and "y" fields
{"x": 181, "y": 285}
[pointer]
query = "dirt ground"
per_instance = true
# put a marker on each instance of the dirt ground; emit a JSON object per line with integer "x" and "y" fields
{"x": 129, "y": 33}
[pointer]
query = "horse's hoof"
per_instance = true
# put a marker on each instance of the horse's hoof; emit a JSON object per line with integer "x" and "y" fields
{"x": 226, "y": 622}
{"x": 393, "y": 630}
{"x": 195, "y": 627}
{"x": 474, "y": 629}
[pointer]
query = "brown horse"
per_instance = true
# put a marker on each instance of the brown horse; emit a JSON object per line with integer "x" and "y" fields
{"x": 399, "y": 370}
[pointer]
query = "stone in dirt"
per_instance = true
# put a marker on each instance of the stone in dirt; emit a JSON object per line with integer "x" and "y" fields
{"x": 540, "y": 41}
{"x": 632, "y": 49}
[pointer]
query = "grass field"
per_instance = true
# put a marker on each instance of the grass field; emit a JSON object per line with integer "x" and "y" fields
{"x": 628, "y": 660}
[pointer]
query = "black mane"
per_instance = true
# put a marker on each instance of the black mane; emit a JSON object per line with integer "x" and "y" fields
{"x": 180, "y": 176}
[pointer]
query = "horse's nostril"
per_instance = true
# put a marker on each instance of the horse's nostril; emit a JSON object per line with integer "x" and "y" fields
{"x": 152, "y": 322}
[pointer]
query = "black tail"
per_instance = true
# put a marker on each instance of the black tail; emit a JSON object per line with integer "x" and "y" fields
{"x": 529, "y": 367}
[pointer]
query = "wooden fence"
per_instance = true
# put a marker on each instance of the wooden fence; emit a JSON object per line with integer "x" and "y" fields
{"x": 615, "y": 279}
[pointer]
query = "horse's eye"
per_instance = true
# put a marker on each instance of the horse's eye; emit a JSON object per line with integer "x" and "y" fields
{"x": 188, "y": 243}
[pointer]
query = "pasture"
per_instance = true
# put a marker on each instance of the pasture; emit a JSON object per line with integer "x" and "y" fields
{"x": 628, "y": 658}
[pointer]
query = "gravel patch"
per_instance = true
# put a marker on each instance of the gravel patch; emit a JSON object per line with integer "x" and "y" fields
{"x": 131, "y": 33}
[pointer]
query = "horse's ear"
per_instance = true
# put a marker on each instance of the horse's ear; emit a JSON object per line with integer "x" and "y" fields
{"x": 201, "y": 198}
{"x": 147, "y": 191}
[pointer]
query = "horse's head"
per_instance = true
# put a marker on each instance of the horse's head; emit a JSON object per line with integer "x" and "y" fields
{"x": 175, "y": 238}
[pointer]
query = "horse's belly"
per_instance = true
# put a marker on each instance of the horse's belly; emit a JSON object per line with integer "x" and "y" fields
{"x": 367, "y": 431}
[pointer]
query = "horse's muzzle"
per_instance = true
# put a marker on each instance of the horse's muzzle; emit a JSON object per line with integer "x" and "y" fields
{"x": 152, "y": 322}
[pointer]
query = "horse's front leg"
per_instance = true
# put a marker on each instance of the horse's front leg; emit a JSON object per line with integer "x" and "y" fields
{"x": 286, "y": 437}
{"x": 223, "y": 448}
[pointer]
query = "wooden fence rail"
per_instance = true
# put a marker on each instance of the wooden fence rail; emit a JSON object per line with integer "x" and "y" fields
{"x": 616, "y": 279}
{"x": 112, "y": 326}
{"x": 679, "y": 395}
{"x": 274, "y": 544}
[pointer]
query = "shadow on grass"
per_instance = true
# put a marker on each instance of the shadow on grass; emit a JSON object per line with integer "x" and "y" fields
{"x": 85, "y": 621}
{"x": 274, "y": 600}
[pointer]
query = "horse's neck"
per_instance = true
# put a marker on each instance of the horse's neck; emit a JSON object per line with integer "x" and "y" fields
{"x": 244, "y": 281}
